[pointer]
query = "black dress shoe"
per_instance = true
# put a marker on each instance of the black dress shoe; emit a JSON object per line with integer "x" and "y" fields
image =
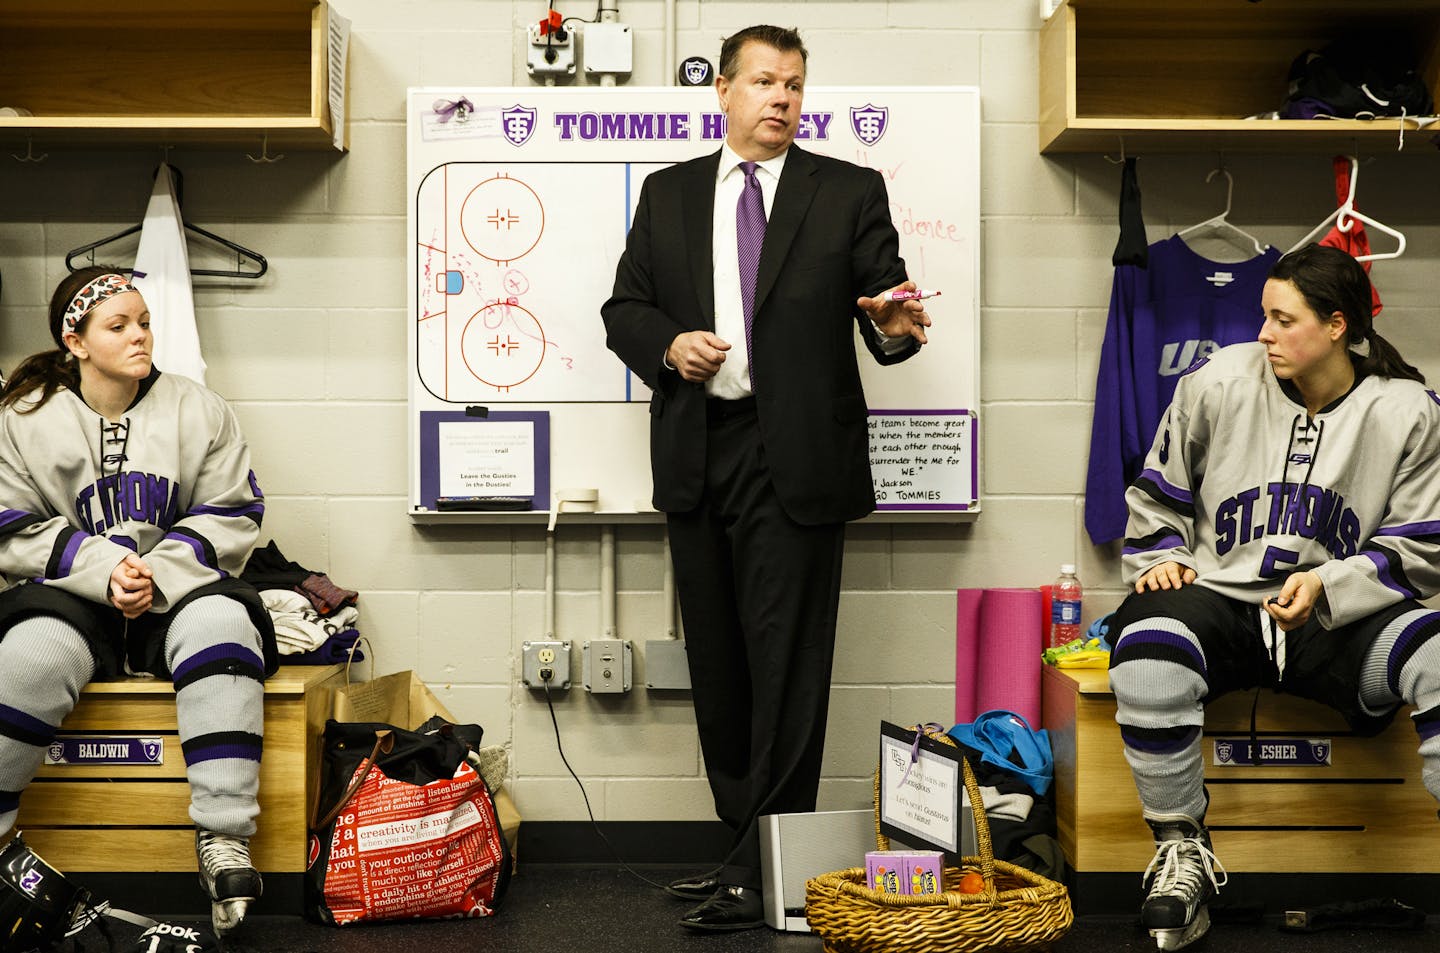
{"x": 731, "y": 908}
{"x": 696, "y": 887}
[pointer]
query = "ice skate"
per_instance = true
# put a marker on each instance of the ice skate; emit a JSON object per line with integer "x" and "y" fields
{"x": 227, "y": 876}
{"x": 1181, "y": 878}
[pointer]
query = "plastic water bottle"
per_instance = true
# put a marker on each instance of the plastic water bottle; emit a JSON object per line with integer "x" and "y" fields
{"x": 1065, "y": 608}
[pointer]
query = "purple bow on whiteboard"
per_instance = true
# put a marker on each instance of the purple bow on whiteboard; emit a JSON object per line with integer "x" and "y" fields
{"x": 448, "y": 109}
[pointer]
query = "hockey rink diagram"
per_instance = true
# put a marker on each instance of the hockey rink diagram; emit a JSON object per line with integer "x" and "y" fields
{"x": 508, "y": 292}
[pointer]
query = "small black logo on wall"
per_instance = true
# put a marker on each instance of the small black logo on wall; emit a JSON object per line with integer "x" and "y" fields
{"x": 696, "y": 71}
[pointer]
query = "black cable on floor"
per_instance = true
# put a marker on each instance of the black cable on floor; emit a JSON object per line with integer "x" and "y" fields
{"x": 560, "y": 748}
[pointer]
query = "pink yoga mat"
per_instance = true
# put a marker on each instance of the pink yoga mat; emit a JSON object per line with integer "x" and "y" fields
{"x": 999, "y": 640}
{"x": 967, "y": 647}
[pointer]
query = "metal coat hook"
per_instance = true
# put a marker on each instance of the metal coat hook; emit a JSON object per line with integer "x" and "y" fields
{"x": 30, "y": 155}
{"x": 1121, "y": 160}
{"x": 264, "y": 155}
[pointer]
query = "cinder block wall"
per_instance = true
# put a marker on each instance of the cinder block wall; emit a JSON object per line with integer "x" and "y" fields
{"x": 314, "y": 358}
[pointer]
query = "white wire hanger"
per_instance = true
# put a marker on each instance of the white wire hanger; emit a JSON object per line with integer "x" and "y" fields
{"x": 1341, "y": 219}
{"x": 1222, "y": 221}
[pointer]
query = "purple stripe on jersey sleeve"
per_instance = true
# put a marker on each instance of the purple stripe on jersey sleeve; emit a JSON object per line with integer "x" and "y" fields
{"x": 1169, "y": 489}
{"x": 67, "y": 558}
{"x": 1172, "y": 541}
{"x": 195, "y": 547}
{"x": 249, "y": 509}
{"x": 1428, "y": 528}
{"x": 1382, "y": 572}
{"x": 9, "y": 516}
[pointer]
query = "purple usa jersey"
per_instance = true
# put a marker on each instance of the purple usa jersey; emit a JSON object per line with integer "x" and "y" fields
{"x": 1162, "y": 319}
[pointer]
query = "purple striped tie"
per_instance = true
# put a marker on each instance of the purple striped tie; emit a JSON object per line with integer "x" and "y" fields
{"x": 749, "y": 236}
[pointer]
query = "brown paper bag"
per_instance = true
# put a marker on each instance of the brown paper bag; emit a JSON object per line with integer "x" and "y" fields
{"x": 399, "y": 699}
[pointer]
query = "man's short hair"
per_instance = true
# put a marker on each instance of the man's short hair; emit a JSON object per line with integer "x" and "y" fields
{"x": 780, "y": 38}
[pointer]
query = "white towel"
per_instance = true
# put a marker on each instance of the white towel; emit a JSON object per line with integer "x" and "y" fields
{"x": 298, "y": 627}
{"x": 162, "y": 273}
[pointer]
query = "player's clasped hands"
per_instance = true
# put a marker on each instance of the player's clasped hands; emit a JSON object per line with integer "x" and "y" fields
{"x": 131, "y": 588}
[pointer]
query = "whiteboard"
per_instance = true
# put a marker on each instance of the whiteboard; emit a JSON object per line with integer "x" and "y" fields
{"x": 519, "y": 201}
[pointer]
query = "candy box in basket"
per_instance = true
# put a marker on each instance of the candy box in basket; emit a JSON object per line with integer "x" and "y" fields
{"x": 908, "y": 872}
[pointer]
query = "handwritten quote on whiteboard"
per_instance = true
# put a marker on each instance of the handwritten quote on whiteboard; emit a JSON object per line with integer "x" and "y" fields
{"x": 923, "y": 460}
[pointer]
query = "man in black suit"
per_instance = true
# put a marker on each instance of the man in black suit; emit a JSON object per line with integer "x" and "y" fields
{"x": 758, "y": 437}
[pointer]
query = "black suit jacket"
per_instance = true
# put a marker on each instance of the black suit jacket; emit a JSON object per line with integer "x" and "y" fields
{"x": 829, "y": 240}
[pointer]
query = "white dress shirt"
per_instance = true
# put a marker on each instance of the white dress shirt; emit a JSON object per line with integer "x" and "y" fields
{"x": 732, "y": 381}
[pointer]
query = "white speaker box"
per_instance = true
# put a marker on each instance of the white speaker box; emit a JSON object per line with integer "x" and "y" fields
{"x": 797, "y": 847}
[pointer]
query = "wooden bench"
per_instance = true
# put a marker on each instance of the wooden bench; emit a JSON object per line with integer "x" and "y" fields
{"x": 134, "y": 818}
{"x": 1367, "y": 811}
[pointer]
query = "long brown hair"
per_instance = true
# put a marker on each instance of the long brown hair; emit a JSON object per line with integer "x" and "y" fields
{"x": 49, "y": 371}
{"x": 1331, "y": 280}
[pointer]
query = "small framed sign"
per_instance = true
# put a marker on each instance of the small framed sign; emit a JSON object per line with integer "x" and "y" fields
{"x": 500, "y": 455}
{"x": 921, "y": 789}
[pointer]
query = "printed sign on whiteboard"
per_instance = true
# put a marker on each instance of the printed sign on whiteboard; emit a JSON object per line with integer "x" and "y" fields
{"x": 497, "y": 459}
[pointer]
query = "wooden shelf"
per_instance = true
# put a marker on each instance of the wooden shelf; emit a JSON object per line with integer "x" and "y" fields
{"x": 166, "y": 71}
{"x": 1182, "y": 77}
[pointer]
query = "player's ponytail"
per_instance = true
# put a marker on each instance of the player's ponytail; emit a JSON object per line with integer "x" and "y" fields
{"x": 1331, "y": 280}
{"x": 49, "y": 371}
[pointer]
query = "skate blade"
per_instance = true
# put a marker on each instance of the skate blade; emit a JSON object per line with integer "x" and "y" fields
{"x": 1179, "y": 937}
{"x": 226, "y": 915}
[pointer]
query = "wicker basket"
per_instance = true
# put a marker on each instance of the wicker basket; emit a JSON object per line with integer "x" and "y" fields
{"x": 1017, "y": 910}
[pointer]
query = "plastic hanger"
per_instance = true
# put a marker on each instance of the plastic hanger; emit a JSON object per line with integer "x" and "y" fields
{"x": 242, "y": 254}
{"x": 1222, "y": 221}
{"x": 1347, "y": 210}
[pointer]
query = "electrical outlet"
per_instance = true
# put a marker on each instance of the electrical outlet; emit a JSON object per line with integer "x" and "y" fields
{"x": 552, "y": 54}
{"x": 607, "y": 666}
{"x": 546, "y": 663}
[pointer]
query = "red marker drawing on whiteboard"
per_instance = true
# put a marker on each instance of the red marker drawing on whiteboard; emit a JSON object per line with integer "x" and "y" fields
{"x": 915, "y": 295}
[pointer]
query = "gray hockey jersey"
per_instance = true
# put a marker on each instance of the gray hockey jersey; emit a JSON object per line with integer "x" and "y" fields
{"x": 1244, "y": 487}
{"x": 170, "y": 481}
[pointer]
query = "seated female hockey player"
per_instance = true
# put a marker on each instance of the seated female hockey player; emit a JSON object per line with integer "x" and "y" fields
{"x": 1286, "y": 522}
{"x": 127, "y": 510}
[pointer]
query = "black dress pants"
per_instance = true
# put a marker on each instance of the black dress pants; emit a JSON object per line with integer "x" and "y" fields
{"x": 758, "y": 596}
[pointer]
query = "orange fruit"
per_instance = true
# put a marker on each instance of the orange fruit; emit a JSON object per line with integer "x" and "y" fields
{"x": 972, "y": 882}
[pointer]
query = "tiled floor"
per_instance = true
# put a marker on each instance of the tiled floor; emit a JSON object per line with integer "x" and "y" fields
{"x": 579, "y": 909}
